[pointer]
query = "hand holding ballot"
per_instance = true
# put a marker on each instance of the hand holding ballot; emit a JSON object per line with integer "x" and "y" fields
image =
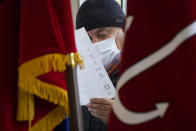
{"x": 100, "y": 108}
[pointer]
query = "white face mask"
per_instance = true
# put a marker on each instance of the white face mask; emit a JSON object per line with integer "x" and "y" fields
{"x": 107, "y": 50}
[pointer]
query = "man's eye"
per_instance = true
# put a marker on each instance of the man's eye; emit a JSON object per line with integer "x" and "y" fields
{"x": 101, "y": 35}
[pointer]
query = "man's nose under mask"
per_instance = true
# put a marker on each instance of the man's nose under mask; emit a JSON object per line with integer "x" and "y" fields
{"x": 107, "y": 50}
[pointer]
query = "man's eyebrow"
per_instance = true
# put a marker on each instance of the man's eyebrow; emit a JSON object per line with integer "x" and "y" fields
{"x": 103, "y": 29}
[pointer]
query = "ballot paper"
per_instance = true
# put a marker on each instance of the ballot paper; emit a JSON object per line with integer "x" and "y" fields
{"x": 93, "y": 80}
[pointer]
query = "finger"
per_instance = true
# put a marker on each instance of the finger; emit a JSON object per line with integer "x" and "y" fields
{"x": 99, "y": 106}
{"x": 98, "y": 116}
{"x": 99, "y": 112}
{"x": 101, "y": 101}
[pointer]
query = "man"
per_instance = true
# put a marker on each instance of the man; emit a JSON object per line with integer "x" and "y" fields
{"x": 103, "y": 20}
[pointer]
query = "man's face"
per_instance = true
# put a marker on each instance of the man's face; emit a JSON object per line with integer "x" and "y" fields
{"x": 100, "y": 34}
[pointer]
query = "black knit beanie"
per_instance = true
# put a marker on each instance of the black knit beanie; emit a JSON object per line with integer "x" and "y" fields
{"x": 99, "y": 13}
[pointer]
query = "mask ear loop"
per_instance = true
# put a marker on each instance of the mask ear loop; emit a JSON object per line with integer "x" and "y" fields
{"x": 116, "y": 33}
{"x": 115, "y": 38}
